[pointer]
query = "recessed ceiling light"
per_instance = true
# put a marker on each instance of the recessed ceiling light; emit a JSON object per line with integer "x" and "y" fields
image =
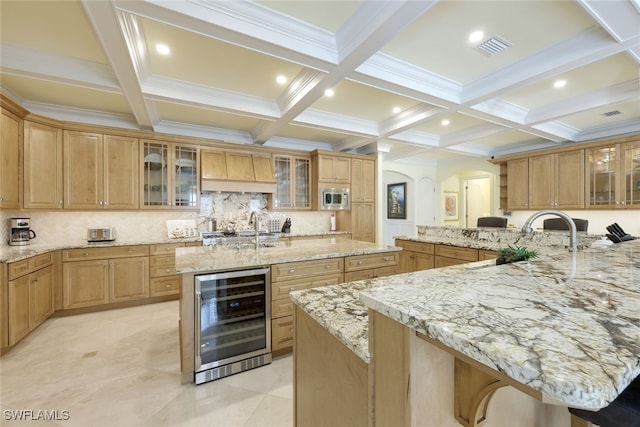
{"x": 559, "y": 83}
{"x": 476, "y": 36}
{"x": 163, "y": 49}
{"x": 445, "y": 122}
{"x": 329, "y": 92}
{"x": 396, "y": 110}
{"x": 281, "y": 79}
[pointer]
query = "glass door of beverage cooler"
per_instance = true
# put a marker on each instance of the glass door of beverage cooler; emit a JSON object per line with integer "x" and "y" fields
{"x": 232, "y": 317}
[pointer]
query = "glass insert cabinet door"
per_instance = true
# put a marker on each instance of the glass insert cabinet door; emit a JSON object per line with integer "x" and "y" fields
{"x": 292, "y": 182}
{"x": 169, "y": 175}
{"x": 155, "y": 178}
{"x": 631, "y": 196}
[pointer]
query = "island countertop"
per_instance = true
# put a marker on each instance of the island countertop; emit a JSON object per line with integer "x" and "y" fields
{"x": 212, "y": 258}
{"x": 567, "y": 326}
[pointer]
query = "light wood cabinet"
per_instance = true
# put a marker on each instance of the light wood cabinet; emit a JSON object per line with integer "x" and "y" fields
{"x": 100, "y": 171}
{"x": 169, "y": 175}
{"x": 291, "y": 276}
{"x": 96, "y": 276}
{"x": 236, "y": 166}
{"x": 30, "y": 295}
{"x": 371, "y": 266}
{"x": 163, "y": 278}
{"x": 10, "y": 160}
{"x": 613, "y": 176}
{"x": 334, "y": 169}
{"x": 363, "y": 180}
{"x": 362, "y": 220}
{"x": 293, "y": 186}
{"x": 556, "y": 180}
{"x": 485, "y": 254}
{"x": 446, "y": 255}
{"x": 518, "y": 183}
{"x": 415, "y": 256}
{"x": 43, "y": 184}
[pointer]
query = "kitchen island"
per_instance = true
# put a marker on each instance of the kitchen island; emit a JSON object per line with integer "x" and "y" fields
{"x": 302, "y": 264}
{"x": 438, "y": 344}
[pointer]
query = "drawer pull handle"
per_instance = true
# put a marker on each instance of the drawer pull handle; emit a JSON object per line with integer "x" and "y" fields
{"x": 387, "y": 259}
{"x": 292, "y": 271}
{"x": 326, "y": 267}
{"x": 359, "y": 262}
{"x": 292, "y": 288}
{"x": 167, "y": 286}
{"x": 86, "y": 254}
{"x": 168, "y": 270}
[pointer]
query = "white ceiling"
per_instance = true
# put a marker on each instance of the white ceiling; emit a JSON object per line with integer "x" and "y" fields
{"x": 94, "y": 61}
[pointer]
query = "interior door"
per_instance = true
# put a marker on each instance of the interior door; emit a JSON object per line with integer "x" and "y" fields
{"x": 477, "y": 200}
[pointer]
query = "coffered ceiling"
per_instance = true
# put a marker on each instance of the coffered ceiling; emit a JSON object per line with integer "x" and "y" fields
{"x": 95, "y": 61}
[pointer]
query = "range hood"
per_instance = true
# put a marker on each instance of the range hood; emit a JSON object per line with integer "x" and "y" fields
{"x": 237, "y": 172}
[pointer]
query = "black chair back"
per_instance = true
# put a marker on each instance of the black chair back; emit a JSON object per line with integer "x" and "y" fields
{"x": 559, "y": 224}
{"x": 492, "y": 221}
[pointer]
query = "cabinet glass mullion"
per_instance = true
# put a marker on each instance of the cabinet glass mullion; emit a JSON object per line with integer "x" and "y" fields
{"x": 302, "y": 183}
{"x": 632, "y": 174}
{"x": 186, "y": 176}
{"x": 602, "y": 176}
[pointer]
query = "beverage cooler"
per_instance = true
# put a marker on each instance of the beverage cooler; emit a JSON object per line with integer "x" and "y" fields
{"x": 233, "y": 326}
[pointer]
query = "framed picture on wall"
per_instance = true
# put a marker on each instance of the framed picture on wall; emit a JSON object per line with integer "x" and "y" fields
{"x": 397, "y": 201}
{"x": 450, "y": 205}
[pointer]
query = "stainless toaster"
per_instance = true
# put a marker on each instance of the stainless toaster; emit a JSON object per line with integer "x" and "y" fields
{"x": 101, "y": 234}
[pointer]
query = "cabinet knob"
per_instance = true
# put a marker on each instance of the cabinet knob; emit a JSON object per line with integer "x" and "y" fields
{"x": 168, "y": 270}
{"x": 59, "y": 202}
{"x": 168, "y": 260}
{"x": 86, "y": 254}
{"x": 387, "y": 259}
{"x": 100, "y": 202}
{"x": 1, "y": 198}
{"x": 359, "y": 262}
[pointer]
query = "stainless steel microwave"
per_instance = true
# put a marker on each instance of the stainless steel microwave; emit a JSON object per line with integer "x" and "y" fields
{"x": 335, "y": 199}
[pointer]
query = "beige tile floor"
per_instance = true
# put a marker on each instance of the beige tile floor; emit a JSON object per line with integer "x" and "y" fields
{"x": 121, "y": 368}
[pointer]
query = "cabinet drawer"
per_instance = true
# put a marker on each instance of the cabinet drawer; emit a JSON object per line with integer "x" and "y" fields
{"x": 282, "y": 333}
{"x": 484, "y": 254}
{"x": 466, "y": 254}
{"x": 162, "y": 271}
{"x": 167, "y": 261}
{"x": 20, "y": 268}
{"x": 105, "y": 253}
{"x": 169, "y": 285}
{"x": 280, "y": 290}
{"x": 301, "y": 269}
{"x": 281, "y": 308}
{"x": 352, "y": 276}
{"x": 425, "y": 248}
{"x": 441, "y": 261}
{"x": 166, "y": 248}
{"x": 362, "y": 262}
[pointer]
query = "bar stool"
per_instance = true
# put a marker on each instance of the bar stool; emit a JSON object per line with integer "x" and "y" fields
{"x": 624, "y": 411}
{"x": 492, "y": 221}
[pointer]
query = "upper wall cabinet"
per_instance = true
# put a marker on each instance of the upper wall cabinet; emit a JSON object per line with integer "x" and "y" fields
{"x": 292, "y": 177}
{"x": 333, "y": 169}
{"x": 518, "y": 183}
{"x": 613, "y": 174}
{"x": 556, "y": 181}
{"x": 10, "y": 160}
{"x": 363, "y": 180}
{"x": 169, "y": 175}
{"x": 100, "y": 171}
{"x": 43, "y": 188}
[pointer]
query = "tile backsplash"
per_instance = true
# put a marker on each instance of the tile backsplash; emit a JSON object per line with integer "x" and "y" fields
{"x": 53, "y": 227}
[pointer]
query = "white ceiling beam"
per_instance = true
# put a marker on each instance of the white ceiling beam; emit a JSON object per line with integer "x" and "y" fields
{"x": 587, "y": 47}
{"x": 617, "y": 94}
{"x": 107, "y": 26}
{"x": 620, "y": 18}
{"x": 245, "y": 24}
{"x": 372, "y": 26}
{"x": 51, "y": 67}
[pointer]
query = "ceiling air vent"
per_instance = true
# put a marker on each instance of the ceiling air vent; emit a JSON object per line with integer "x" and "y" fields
{"x": 612, "y": 113}
{"x": 493, "y": 45}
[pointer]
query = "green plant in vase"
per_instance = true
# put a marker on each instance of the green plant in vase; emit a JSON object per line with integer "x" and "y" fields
{"x": 514, "y": 254}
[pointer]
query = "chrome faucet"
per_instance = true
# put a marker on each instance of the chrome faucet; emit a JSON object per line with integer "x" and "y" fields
{"x": 527, "y": 230}
{"x": 253, "y": 220}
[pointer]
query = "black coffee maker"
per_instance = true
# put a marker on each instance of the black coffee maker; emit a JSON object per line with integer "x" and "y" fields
{"x": 21, "y": 233}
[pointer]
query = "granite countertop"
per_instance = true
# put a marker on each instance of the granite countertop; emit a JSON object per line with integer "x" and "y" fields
{"x": 17, "y": 253}
{"x": 567, "y": 325}
{"x": 210, "y": 258}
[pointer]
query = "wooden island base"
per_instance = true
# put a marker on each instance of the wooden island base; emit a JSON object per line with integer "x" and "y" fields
{"x": 411, "y": 381}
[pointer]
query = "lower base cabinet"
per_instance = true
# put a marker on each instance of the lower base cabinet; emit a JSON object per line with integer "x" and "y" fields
{"x": 30, "y": 295}
{"x": 415, "y": 256}
{"x": 96, "y": 276}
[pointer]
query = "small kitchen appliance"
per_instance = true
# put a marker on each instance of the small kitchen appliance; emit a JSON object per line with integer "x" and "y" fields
{"x": 101, "y": 234}
{"x": 334, "y": 199}
{"x": 21, "y": 233}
